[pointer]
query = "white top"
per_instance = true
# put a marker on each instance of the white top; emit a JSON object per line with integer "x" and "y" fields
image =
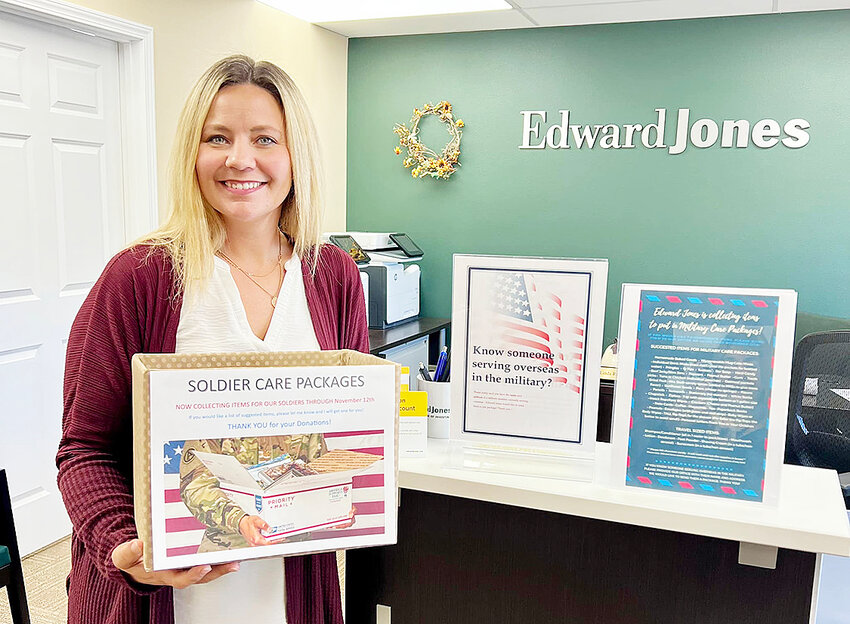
{"x": 213, "y": 319}
{"x": 809, "y": 516}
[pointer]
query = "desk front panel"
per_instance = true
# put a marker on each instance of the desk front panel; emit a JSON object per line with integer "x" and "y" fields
{"x": 462, "y": 561}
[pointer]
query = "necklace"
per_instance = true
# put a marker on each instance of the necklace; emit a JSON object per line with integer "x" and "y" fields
{"x": 250, "y": 276}
{"x": 274, "y": 266}
{"x": 269, "y": 272}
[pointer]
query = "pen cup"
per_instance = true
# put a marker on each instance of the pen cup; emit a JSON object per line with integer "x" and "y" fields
{"x": 439, "y": 407}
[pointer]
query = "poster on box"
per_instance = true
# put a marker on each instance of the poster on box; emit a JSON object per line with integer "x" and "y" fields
{"x": 526, "y": 347}
{"x": 270, "y": 460}
{"x": 702, "y": 390}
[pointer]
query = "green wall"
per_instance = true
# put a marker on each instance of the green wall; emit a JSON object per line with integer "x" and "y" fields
{"x": 753, "y": 217}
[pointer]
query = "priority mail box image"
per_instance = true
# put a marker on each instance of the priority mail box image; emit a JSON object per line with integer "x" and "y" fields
{"x": 297, "y": 501}
{"x": 246, "y": 455}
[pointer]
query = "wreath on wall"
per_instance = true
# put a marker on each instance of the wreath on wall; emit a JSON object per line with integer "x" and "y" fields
{"x": 424, "y": 160}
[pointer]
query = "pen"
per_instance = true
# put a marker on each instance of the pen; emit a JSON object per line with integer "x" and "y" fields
{"x": 441, "y": 364}
{"x": 423, "y": 372}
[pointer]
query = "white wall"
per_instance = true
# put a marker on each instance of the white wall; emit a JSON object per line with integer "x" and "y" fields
{"x": 189, "y": 35}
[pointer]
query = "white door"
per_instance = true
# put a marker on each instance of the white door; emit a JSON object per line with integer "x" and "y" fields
{"x": 61, "y": 218}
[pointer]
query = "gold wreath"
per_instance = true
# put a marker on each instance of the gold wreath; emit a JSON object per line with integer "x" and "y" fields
{"x": 424, "y": 160}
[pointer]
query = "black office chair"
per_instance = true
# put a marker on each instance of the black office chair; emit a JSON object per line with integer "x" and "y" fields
{"x": 818, "y": 431}
{"x": 11, "y": 573}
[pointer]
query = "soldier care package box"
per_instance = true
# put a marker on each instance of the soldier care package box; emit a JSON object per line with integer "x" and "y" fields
{"x": 246, "y": 455}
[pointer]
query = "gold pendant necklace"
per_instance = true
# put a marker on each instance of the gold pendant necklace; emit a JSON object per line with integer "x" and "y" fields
{"x": 274, "y": 266}
{"x": 250, "y": 276}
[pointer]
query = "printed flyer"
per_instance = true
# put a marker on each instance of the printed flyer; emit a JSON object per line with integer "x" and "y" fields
{"x": 530, "y": 352}
{"x": 278, "y": 460}
{"x": 706, "y": 367}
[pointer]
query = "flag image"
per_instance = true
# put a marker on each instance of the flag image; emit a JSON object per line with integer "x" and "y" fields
{"x": 525, "y": 353}
{"x": 537, "y": 321}
{"x": 183, "y": 532}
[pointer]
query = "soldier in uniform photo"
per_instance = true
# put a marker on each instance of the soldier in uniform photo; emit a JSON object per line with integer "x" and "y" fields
{"x": 228, "y": 525}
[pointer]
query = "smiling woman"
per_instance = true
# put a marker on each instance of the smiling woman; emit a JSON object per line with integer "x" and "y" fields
{"x": 224, "y": 273}
{"x": 243, "y": 164}
{"x": 244, "y": 173}
{"x": 216, "y": 144}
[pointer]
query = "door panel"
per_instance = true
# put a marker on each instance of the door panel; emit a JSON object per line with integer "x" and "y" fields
{"x": 75, "y": 86}
{"x": 81, "y": 215}
{"x": 61, "y": 219}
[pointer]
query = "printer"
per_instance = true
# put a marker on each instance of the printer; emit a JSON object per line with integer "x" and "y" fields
{"x": 392, "y": 287}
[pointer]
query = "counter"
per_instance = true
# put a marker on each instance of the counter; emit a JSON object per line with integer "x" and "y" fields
{"x": 810, "y": 515}
{"x": 486, "y": 547}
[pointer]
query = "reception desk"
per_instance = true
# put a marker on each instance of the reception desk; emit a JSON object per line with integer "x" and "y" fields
{"x": 478, "y": 547}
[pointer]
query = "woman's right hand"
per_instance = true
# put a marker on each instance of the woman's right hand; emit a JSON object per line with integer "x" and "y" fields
{"x": 128, "y": 558}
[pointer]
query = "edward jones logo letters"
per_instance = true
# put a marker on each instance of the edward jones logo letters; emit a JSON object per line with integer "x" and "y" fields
{"x": 702, "y": 133}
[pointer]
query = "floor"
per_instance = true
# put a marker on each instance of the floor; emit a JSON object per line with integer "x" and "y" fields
{"x": 44, "y": 576}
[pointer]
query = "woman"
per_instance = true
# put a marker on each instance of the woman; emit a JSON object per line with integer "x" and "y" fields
{"x": 237, "y": 267}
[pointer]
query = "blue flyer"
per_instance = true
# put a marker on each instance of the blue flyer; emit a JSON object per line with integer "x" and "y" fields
{"x": 701, "y": 393}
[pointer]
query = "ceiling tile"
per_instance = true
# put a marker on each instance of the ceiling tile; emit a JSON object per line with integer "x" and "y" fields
{"x": 457, "y": 22}
{"x": 525, "y": 4}
{"x": 811, "y": 5}
{"x": 531, "y": 13}
{"x": 644, "y": 10}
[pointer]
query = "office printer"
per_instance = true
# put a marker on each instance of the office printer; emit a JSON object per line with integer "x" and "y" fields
{"x": 393, "y": 276}
{"x": 388, "y": 246}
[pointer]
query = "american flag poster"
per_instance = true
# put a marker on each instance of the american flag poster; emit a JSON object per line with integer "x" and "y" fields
{"x": 184, "y": 532}
{"x": 260, "y": 461}
{"x": 531, "y": 342}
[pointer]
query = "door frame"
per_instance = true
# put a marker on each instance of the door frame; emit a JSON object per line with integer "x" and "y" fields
{"x": 136, "y": 92}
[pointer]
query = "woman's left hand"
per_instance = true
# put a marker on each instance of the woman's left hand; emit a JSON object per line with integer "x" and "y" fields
{"x": 128, "y": 557}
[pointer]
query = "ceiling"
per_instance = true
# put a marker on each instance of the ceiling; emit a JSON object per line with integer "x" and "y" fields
{"x": 541, "y": 13}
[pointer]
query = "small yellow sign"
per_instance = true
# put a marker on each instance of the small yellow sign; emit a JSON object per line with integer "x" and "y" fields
{"x": 413, "y": 404}
{"x": 412, "y": 423}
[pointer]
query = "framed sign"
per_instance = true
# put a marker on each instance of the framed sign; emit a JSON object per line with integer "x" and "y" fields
{"x": 526, "y": 347}
{"x": 702, "y": 390}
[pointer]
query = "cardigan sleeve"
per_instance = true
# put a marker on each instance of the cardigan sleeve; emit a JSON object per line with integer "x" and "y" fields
{"x": 354, "y": 331}
{"x": 335, "y": 299}
{"x": 95, "y": 452}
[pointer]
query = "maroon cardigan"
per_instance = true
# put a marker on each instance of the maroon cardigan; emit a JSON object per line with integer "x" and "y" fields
{"x": 133, "y": 309}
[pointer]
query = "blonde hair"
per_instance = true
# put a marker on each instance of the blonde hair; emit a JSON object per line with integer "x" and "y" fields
{"x": 194, "y": 230}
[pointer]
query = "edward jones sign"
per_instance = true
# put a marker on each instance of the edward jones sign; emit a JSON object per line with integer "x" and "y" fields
{"x": 702, "y": 133}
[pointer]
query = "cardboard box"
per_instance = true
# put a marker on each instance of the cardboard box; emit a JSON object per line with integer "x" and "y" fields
{"x": 243, "y": 414}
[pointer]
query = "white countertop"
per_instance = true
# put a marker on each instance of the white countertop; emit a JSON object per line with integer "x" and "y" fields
{"x": 810, "y": 515}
